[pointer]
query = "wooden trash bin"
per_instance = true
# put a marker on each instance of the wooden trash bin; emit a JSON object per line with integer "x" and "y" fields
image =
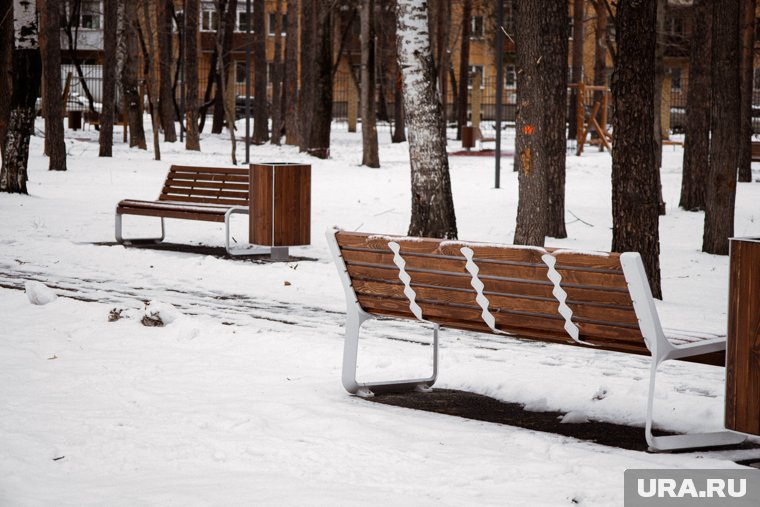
{"x": 468, "y": 137}
{"x": 743, "y": 342}
{"x": 75, "y": 120}
{"x": 280, "y": 214}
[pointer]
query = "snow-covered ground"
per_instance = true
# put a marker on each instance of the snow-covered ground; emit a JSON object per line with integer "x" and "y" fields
{"x": 238, "y": 400}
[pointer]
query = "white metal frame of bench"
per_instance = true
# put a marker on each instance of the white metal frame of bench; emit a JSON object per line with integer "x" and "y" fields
{"x": 649, "y": 323}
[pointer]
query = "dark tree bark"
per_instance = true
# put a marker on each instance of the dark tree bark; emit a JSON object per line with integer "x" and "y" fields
{"x": 464, "y": 65}
{"x": 319, "y": 139}
{"x": 370, "y": 157}
{"x": 541, "y": 36}
{"x": 164, "y": 67}
{"x": 600, "y": 52}
{"x": 577, "y": 69}
{"x": 110, "y": 17}
{"x": 307, "y": 57}
{"x": 745, "y": 122}
{"x": 720, "y": 192}
{"x": 151, "y": 76}
{"x": 227, "y": 13}
{"x": 6, "y": 77}
{"x": 696, "y": 154}
{"x": 278, "y": 102}
{"x": 443, "y": 58}
{"x": 659, "y": 79}
{"x": 260, "y": 110}
{"x": 399, "y": 122}
{"x": 192, "y": 137}
{"x": 635, "y": 207}
{"x": 27, "y": 73}
{"x": 50, "y": 46}
{"x": 225, "y": 73}
{"x": 290, "y": 75}
{"x": 129, "y": 87}
{"x": 432, "y": 203}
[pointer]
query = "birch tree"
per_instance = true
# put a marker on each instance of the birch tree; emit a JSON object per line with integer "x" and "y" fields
{"x": 432, "y": 203}
{"x": 27, "y": 71}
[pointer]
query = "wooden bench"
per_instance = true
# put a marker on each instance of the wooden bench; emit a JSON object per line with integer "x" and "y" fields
{"x": 588, "y": 299}
{"x": 211, "y": 194}
{"x": 755, "y": 152}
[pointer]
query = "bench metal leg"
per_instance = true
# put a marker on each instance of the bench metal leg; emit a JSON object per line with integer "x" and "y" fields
{"x": 354, "y": 323}
{"x": 686, "y": 441}
{"x": 136, "y": 241}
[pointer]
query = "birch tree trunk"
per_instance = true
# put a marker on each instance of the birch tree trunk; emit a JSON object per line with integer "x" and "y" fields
{"x": 370, "y": 157}
{"x": 720, "y": 192}
{"x": 129, "y": 88}
{"x": 290, "y": 75}
{"x": 6, "y": 76}
{"x": 110, "y": 17}
{"x": 696, "y": 152}
{"x": 50, "y": 21}
{"x": 192, "y": 138}
{"x": 432, "y": 203}
{"x": 164, "y": 67}
{"x": 635, "y": 206}
{"x": 27, "y": 71}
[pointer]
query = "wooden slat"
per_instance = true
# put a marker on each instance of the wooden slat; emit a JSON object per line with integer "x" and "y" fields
{"x": 209, "y": 170}
{"x": 236, "y": 178}
{"x": 229, "y": 194}
{"x": 171, "y": 213}
{"x": 203, "y": 200}
{"x": 221, "y": 184}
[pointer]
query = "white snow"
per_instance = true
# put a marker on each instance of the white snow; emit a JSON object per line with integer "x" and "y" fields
{"x": 39, "y": 293}
{"x": 238, "y": 401}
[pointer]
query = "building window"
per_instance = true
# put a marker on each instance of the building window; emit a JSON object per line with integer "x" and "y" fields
{"x": 88, "y": 17}
{"x": 209, "y": 19}
{"x": 674, "y": 26}
{"x": 475, "y": 69}
{"x": 477, "y": 27}
{"x": 273, "y": 23}
{"x": 242, "y": 21}
{"x": 509, "y": 17}
{"x": 510, "y": 73}
{"x": 675, "y": 79}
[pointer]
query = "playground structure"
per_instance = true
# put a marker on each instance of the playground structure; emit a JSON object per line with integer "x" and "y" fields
{"x": 596, "y": 98}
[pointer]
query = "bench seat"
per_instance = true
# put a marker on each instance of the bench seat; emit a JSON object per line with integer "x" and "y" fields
{"x": 598, "y": 300}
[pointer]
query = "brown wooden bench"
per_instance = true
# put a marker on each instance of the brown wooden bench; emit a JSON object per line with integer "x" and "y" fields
{"x": 756, "y": 152}
{"x": 597, "y": 300}
{"x": 210, "y": 194}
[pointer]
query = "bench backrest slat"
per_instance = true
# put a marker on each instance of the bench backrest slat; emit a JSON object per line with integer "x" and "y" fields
{"x": 515, "y": 282}
{"x": 226, "y": 186}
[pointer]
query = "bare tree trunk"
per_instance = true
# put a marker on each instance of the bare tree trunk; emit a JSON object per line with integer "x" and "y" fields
{"x": 720, "y": 192}
{"x": 260, "y": 109}
{"x": 6, "y": 76}
{"x": 306, "y": 78}
{"x": 600, "y": 51}
{"x": 432, "y": 204}
{"x": 192, "y": 138}
{"x": 164, "y": 67}
{"x": 50, "y": 42}
{"x": 151, "y": 77}
{"x": 110, "y": 17}
{"x": 659, "y": 79}
{"x": 635, "y": 213}
{"x": 399, "y": 122}
{"x": 696, "y": 153}
{"x": 319, "y": 137}
{"x": 370, "y": 157}
{"x": 464, "y": 66}
{"x": 291, "y": 75}
{"x": 444, "y": 58}
{"x": 278, "y": 103}
{"x": 27, "y": 72}
{"x": 129, "y": 86}
{"x": 577, "y": 70}
{"x": 745, "y": 121}
{"x": 541, "y": 35}
{"x": 225, "y": 71}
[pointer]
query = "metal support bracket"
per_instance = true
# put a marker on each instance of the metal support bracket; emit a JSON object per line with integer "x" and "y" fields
{"x": 137, "y": 241}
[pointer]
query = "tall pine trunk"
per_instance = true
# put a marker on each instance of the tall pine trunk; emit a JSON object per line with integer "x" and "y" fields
{"x": 720, "y": 192}
{"x": 464, "y": 66}
{"x": 129, "y": 87}
{"x": 110, "y": 16}
{"x": 290, "y": 75}
{"x": 260, "y": 110}
{"x": 541, "y": 35}
{"x": 50, "y": 26}
{"x": 278, "y": 102}
{"x": 370, "y": 157}
{"x": 696, "y": 153}
{"x": 577, "y": 69}
{"x": 164, "y": 67}
{"x": 635, "y": 203}
{"x": 745, "y": 121}
{"x": 192, "y": 138}
{"x": 27, "y": 73}
{"x": 432, "y": 202}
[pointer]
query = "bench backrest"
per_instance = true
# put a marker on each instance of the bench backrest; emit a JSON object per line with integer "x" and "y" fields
{"x": 207, "y": 185}
{"x": 521, "y": 292}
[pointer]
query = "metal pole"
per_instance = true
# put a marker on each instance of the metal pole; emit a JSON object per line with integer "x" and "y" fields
{"x": 248, "y": 81}
{"x": 499, "y": 86}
